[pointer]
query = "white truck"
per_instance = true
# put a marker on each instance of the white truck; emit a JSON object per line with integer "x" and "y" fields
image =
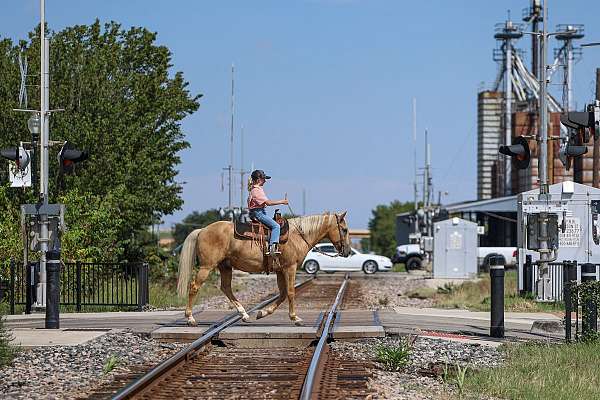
{"x": 412, "y": 256}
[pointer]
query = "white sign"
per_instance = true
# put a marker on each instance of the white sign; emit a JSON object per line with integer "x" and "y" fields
{"x": 571, "y": 237}
{"x": 20, "y": 178}
{"x": 455, "y": 241}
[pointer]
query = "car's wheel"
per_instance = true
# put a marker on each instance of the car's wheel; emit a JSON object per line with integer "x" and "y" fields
{"x": 311, "y": 267}
{"x": 370, "y": 267}
{"x": 413, "y": 263}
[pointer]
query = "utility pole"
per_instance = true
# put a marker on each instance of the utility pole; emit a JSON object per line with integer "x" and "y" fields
{"x": 242, "y": 171}
{"x": 415, "y": 155}
{"x": 596, "y": 162}
{"x": 303, "y": 201}
{"x": 230, "y": 202}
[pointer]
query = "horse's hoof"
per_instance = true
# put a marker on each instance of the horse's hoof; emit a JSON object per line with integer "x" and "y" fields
{"x": 298, "y": 322}
{"x": 191, "y": 322}
{"x": 246, "y": 318}
{"x": 261, "y": 314}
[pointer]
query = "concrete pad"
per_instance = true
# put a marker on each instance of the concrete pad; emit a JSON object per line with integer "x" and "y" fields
{"x": 98, "y": 315}
{"x": 358, "y": 332}
{"x": 27, "y": 337}
{"x": 516, "y": 317}
{"x": 464, "y": 339}
{"x": 178, "y": 333}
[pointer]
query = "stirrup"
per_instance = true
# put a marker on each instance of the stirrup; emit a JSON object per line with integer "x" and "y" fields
{"x": 274, "y": 250}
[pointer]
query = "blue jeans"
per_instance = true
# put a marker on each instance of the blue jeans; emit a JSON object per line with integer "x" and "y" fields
{"x": 261, "y": 215}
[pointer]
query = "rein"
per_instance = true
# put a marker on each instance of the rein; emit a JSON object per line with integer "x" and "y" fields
{"x": 341, "y": 244}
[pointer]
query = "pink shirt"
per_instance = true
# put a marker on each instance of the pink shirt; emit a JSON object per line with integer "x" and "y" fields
{"x": 257, "y": 197}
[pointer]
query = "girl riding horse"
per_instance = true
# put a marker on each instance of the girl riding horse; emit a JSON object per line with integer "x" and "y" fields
{"x": 257, "y": 202}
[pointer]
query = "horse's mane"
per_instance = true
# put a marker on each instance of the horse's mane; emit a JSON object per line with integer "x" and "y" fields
{"x": 309, "y": 223}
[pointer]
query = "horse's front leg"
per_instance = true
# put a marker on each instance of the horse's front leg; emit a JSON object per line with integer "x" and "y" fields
{"x": 282, "y": 284}
{"x": 226, "y": 275}
{"x": 290, "y": 274}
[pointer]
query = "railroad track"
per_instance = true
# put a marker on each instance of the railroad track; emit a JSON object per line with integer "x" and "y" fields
{"x": 205, "y": 369}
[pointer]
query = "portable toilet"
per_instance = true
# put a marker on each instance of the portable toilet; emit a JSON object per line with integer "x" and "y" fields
{"x": 455, "y": 249}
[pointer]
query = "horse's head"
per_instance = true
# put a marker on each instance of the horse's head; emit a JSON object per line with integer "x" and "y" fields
{"x": 338, "y": 234}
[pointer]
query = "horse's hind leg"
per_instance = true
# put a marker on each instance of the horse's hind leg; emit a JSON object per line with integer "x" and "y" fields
{"x": 282, "y": 284}
{"x": 195, "y": 285}
{"x": 226, "y": 274}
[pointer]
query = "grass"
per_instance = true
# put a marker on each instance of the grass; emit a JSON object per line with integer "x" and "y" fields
{"x": 111, "y": 363}
{"x": 164, "y": 293}
{"x": 394, "y": 358}
{"x": 398, "y": 268}
{"x": 475, "y": 296}
{"x": 542, "y": 372}
{"x": 7, "y": 351}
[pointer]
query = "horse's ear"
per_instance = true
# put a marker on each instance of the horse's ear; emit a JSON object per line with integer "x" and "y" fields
{"x": 343, "y": 215}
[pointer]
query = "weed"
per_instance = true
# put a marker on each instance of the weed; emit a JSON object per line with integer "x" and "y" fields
{"x": 110, "y": 364}
{"x": 384, "y": 301}
{"x": 448, "y": 288}
{"x": 394, "y": 358}
{"x": 460, "y": 377}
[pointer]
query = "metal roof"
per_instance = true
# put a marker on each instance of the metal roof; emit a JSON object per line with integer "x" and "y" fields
{"x": 500, "y": 204}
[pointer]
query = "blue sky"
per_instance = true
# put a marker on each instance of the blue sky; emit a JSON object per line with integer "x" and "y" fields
{"x": 324, "y": 88}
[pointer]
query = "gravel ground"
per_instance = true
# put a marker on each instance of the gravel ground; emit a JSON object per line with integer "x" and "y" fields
{"x": 392, "y": 292}
{"x": 249, "y": 289}
{"x": 68, "y": 372}
{"x": 426, "y": 355}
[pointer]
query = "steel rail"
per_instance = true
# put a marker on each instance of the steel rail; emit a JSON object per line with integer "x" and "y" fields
{"x": 309, "y": 381}
{"x": 188, "y": 352}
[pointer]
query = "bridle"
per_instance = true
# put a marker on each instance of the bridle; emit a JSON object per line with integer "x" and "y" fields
{"x": 341, "y": 243}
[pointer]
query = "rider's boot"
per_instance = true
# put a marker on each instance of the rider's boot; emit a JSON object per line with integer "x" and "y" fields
{"x": 274, "y": 250}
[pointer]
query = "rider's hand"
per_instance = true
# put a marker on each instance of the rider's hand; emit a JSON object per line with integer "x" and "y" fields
{"x": 285, "y": 200}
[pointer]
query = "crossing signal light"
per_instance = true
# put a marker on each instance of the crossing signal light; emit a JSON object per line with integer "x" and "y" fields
{"x": 518, "y": 151}
{"x": 17, "y": 154}
{"x": 68, "y": 156}
{"x": 585, "y": 122}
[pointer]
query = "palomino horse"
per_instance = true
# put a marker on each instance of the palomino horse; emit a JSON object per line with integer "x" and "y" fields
{"x": 215, "y": 247}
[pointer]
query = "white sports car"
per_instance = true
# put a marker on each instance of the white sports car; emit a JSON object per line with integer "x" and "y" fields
{"x": 357, "y": 261}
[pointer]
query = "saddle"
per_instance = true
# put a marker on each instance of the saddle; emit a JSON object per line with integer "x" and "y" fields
{"x": 258, "y": 232}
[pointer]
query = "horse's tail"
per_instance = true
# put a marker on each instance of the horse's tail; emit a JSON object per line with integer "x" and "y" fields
{"x": 186, "y": 262}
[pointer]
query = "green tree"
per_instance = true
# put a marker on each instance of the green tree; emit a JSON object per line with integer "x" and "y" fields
{"x": 193, "y": 221}
{"x": 383, "y": 226}
{"x": 124, "y": 105}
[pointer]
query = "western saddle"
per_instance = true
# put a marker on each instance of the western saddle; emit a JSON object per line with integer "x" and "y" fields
{"x": 260, "y": 233}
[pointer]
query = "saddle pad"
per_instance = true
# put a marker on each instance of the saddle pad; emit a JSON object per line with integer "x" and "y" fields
{"x": 244, "y": 231}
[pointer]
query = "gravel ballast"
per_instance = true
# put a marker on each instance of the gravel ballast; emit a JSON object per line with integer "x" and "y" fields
{"x": 413, "y": 382}
{"x": 68, "y": 372}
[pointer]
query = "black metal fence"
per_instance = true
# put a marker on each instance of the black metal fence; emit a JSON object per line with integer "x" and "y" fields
{"x": 120, "y": 285}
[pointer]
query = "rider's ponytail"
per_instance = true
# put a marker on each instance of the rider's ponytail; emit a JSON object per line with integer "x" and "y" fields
{"x": 250, "y": 183}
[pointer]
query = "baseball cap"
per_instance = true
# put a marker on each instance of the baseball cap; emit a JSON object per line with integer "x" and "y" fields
{"x": 259, "y": 173}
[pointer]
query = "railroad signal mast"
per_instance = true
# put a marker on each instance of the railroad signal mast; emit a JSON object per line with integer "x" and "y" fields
{"x": 46, "y": 219}
{"x": 542, "y": 213}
